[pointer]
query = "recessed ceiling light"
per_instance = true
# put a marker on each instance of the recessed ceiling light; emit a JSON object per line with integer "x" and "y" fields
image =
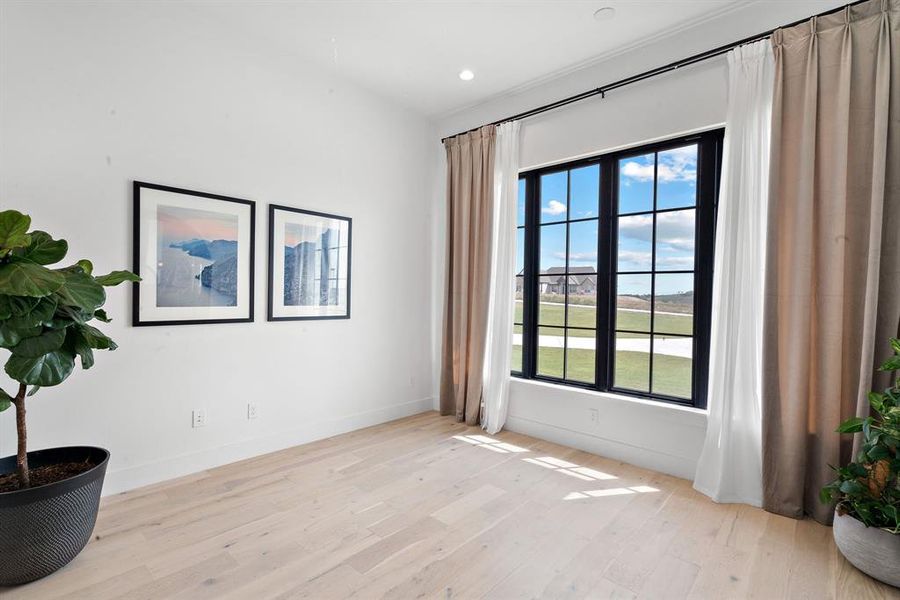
{"x": 604, "y": 14}
{"x": 466, "y": 75}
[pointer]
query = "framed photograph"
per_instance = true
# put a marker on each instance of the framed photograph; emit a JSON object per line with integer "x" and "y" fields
{"x": 309, "y": 265}
{"x": 194, "y": 253}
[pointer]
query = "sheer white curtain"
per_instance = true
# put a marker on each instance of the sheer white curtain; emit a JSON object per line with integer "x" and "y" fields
{"x": 730, "y": 466}
{"x": 495, "y": 395}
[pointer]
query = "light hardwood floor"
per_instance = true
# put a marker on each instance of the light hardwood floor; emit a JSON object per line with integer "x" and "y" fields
{"x": 407, "y": 510}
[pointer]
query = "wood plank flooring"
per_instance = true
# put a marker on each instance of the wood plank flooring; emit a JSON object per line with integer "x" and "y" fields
{"x": 425, "y": 507}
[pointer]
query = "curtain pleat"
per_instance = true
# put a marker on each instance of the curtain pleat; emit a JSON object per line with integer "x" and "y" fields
{"x": 833, "y": 266}
{"x": 470, "y": 179}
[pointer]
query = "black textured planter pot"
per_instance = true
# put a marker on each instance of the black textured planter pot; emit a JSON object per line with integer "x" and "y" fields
{"x": 43, "y": 528}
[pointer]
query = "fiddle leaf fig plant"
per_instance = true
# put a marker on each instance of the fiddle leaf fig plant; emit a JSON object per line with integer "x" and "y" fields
{"x": 45, "y": 316}
{"x": 869, "y": 488}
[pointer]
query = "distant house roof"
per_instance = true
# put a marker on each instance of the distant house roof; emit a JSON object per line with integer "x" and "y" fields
{"x": 577, "y": 275}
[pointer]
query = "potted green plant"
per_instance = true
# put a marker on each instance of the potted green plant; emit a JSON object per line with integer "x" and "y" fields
{"x": 867, "y": 491}
{"x": 48, "y": 498}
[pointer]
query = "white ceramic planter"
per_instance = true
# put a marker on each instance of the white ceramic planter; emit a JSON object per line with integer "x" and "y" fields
{"x": 873, "y": 551}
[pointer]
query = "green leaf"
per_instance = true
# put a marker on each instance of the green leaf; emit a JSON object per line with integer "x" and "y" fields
{"x": 14, "y": 229}
{"x": 895, "y": 344}
{"x": 39, "y": 345}
{"x": 5, "y": 400}
{"x": 33, "y": 311}
{"x": 101, "y": 315}
{"x": 86, "y": 266}
{"x": 34, "y": 390}
{"x": 77, "y": 342}
{"x": 877, "y": 401}
{"x": 13, "y": 331}
{"x": 116, "y": 277}
{"x": 852, "y": 487}
{"x": 5, "y": 306}
{"x": 25, "y": 278}
{"x": 857, "y": 470}
{"x": 82, "y": 291}
{"x": 67, "y": 315}
{"x": 878, "y": 452}
{"x": 50, "y": 369}
{"x": 96, "y": 338}
{"x": 853, "y": 425}
{"x": 44, "y": 250}
{"x": 891, "y": 364}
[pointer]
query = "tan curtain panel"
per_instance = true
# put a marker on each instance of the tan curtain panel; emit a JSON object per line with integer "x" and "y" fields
{"x": 833, "y": 260}
{"x": 470, "y": 180}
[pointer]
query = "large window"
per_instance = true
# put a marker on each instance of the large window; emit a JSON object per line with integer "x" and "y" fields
{"x": 614, "y": 270}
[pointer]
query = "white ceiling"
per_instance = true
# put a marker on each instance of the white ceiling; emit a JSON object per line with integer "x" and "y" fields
{"x": 412, "y": 51}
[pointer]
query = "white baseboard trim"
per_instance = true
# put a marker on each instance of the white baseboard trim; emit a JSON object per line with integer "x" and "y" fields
{"x": 647, "y": 458}
{"x": 129, "y": 478}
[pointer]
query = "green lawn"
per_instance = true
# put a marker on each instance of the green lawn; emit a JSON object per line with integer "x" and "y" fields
{"x": 672, "y": 374}
{"x": 584, "y": 316}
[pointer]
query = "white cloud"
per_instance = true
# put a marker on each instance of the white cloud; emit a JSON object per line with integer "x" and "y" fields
{"x": 637, "y": 228}
{"x": 636, "y": 258}
{"x": 554, "y": 207}
{"x": 637, "y": 171}
{"x": 576, "y": 256}
{"x": 679, "y": 164}
{"x": 675, "y": 263}
{"x": 676, "y": 229}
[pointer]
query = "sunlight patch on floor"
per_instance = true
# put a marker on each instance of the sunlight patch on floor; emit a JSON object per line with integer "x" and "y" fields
{"x": 620, "y": 491}
{"x": 565, "y": 467}
{"x": 483, "y": 441}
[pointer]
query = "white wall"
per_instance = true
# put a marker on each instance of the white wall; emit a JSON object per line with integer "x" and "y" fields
{"x": 653, "y": 435}
{"x": 93, "y": 96}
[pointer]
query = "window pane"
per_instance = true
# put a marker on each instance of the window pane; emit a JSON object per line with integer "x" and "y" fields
{"x": 584, "y": 192}
{"x": 583, "y": 247}
{"x": 632, "y": 362}
{"x": 519, "y": 307}
{"x": 520, "y": 204}
{"x": 516, "y": 358}
{"x": 552, "y": 297}
{"x": 672, "y": 366}
{"x": 553, "y": 249}
{"x": 580, "y": 357}
{"x": 636, "y": 184}
{"x": 520, "y": 252}
{"x": 635, "y": 252}
{"x": 675, "y": 240}
{"x": 582, "y": 306}
{"x": 633, "y": 302}
{"x": 677, "y": 178}
{"x": 673, "y": 304}
{"x": 550, "y": 352}
{"x": 554, "y": 197}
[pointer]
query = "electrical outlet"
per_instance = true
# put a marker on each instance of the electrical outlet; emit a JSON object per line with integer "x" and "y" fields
{"x": 252, "y": 411}
{"x": 198, "y": 417}
{"x": 595, "y": 415}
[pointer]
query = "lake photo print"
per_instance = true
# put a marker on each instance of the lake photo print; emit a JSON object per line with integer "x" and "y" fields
{"x": 197, "y": 252}
{"x": 194, "y": 252}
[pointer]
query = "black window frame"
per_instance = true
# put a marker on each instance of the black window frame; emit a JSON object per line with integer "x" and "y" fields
{"x": 709, "y": 160}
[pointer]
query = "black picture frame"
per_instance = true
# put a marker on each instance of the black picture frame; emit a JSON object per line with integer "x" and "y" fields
{"x": 271, "y": 304}
{"x": 137, "y": 259}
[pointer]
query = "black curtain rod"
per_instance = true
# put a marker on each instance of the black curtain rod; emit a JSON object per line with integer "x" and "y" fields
{"x": 684, "y": 62}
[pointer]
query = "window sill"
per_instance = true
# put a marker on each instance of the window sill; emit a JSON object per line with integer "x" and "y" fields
{"x": 682, "y": 414}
